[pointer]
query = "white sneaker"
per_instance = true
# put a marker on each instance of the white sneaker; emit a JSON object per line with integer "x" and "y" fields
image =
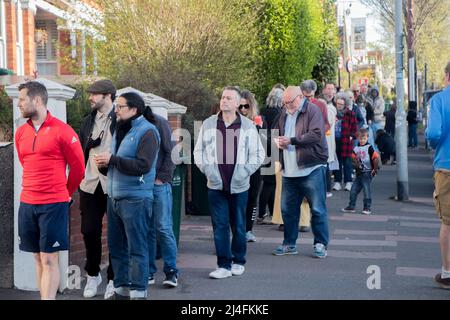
{"x": 138, "y": 294}
{"x": 348, "y": 186}
{"x": 92, "y": 283}
{"x": 109, "y": 292}
{"x": 337, "y": 186}
{"x": 329, "y": 194}
{"x": 237, "y": 269}
{"x": 220, "y": 273}
{"x": 320, "y": 251}
{"x": 250, "y": 236}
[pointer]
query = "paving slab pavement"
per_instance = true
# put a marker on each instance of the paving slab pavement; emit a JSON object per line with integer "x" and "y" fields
{"x": 399, "y": 240}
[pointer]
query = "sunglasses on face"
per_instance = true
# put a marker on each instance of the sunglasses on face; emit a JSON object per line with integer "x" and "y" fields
{"x": 246, "y": 106}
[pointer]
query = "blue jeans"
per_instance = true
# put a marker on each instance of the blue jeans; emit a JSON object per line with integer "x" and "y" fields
{"x": 345, "y": 164}
{"x": 372, "y": 136}
{"x": 313, "y": 187}
{"x": 128, "y": 221}
{"x": 412, "y": 135}
{"x": 161, "y": 226}
{"x": 376, "y": 126}
{"x": 362, "y": 182}
{"x": 228, "y": 210}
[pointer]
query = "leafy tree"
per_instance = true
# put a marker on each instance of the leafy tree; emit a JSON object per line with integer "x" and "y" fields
{"x": 325, "y": 69}
{"x": 188, "y": 50}
{"x": 295, "y": 38}
{"x": 6, "y": 117}
{"x": 183, "y": 50}
{"x": 430, "y": 31}
{"x": 79, "y": 106}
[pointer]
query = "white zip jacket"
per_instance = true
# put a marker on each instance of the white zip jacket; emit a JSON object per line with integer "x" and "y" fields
{"x": 250, "y": 155}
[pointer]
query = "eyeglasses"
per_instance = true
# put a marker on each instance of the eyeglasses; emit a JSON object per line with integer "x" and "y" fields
{"x": 292, "y": 101}
{"x": 246, "y": 106}
{"x": 118, "y": 106}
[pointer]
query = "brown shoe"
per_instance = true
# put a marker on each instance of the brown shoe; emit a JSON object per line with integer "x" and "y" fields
{"x": 443, "y": 283}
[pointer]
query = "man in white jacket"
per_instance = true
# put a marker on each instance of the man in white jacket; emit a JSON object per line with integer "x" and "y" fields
{"x": 228, "y": 151}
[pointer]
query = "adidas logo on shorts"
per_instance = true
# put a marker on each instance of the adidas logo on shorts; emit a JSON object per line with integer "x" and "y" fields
{"x": 56, "y": 244}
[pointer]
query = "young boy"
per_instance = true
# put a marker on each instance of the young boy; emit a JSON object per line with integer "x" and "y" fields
{"x": 365, "y": 160}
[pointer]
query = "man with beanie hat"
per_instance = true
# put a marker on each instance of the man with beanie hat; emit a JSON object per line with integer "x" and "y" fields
{"x": 96, "y": 133}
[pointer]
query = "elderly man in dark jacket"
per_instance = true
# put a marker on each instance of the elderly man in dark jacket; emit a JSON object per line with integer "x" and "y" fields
{"x": 303, "y": 156}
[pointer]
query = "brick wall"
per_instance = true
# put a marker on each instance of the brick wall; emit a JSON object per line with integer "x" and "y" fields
{"x": 11, "y": 35}
{"x": 175, "y": 123}
{"x": 29, "y": 44}
{"x": 77, "y": 253}
{"x": 7, "y": 216}
{"x": 64, "y": 54}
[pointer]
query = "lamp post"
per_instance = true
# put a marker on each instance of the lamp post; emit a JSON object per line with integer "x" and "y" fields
{"x": 400, "y": 115}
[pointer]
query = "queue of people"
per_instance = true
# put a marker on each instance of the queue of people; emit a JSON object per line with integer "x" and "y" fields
{"x": 282, "y": 160}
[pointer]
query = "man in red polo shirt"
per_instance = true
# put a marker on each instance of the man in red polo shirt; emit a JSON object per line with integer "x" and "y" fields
{"x": 45, "y": 147}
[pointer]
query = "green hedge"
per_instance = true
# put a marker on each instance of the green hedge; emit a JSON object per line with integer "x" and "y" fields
{"x": 6, "y": 117}
{"x": 78, "y": 107}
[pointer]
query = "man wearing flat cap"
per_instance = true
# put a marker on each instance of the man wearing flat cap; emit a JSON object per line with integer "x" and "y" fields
{"x": 96, "y": 133}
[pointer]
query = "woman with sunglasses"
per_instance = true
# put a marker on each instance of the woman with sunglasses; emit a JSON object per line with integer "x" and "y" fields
{"x": 249, "y": 108}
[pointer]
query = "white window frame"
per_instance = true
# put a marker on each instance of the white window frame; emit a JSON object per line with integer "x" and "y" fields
{"x": 19, "y": 41}
{"x": 49, "y": 60}
{"x": 3, "y": 60}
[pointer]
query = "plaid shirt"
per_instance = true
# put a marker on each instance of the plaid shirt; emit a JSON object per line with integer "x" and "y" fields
{"x": 349, "y": 127}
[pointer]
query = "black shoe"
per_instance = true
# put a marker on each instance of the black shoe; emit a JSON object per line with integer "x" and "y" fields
{"x": 443, "y": 283}
{"x": 281, "y": 227}
{"x": 304, "y": 229}
{"x": 171, "y": 279}
{"x": 117, "y": 296}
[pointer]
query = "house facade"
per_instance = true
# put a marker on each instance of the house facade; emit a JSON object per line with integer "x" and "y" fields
{"x": 33, "y": 33}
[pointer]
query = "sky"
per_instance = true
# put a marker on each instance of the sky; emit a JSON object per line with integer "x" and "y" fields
{"x": 358, "y": 10}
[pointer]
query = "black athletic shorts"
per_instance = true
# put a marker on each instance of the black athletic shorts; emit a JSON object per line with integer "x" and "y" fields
{"x": 44, "y": 227}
